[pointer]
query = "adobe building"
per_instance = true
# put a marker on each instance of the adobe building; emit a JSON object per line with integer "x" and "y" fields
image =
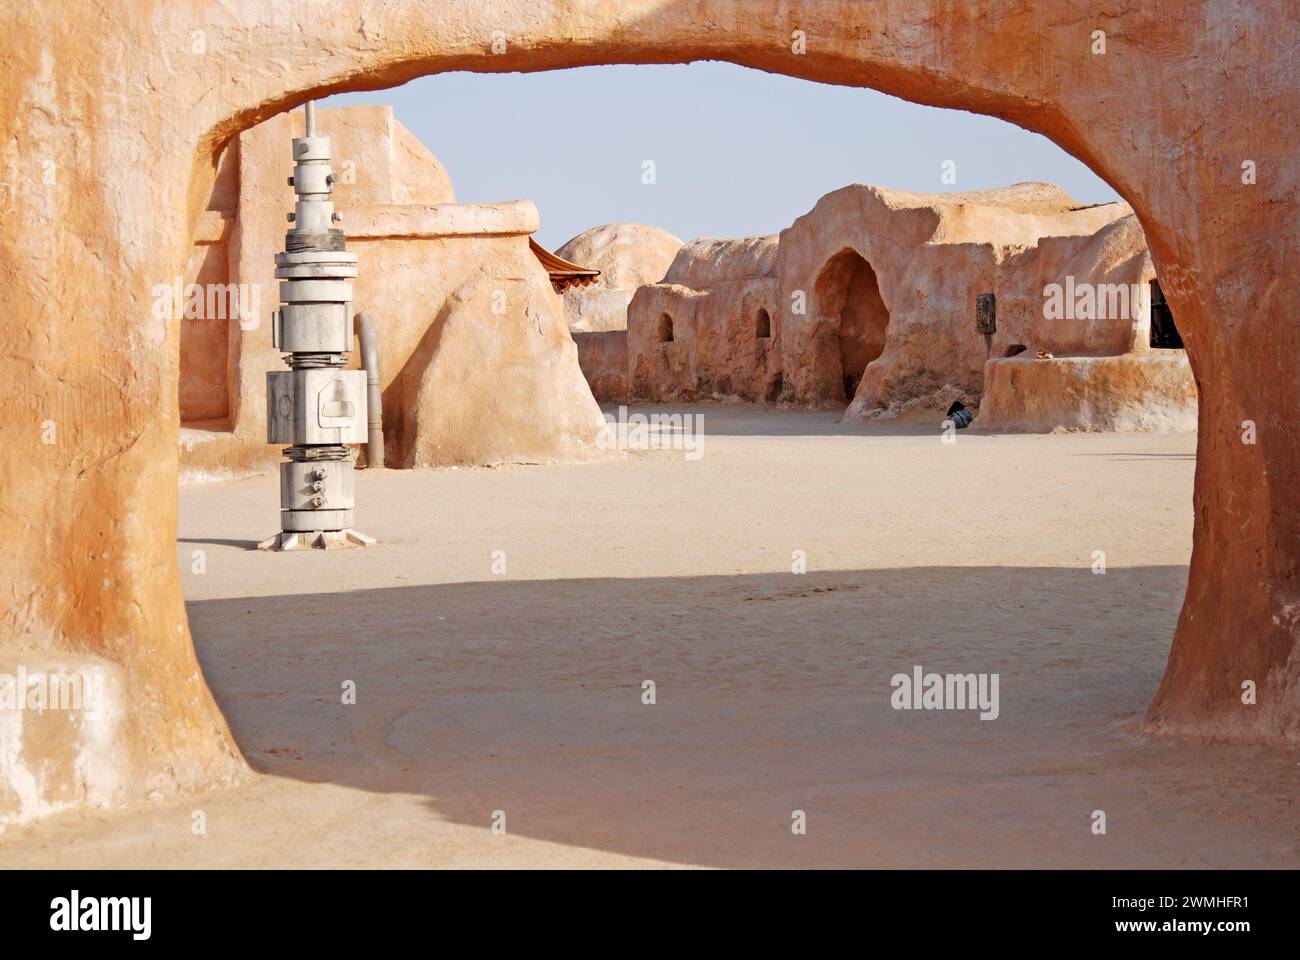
{"x": 706, "y": 331}
{"x": 885, "y": 302}
{"x": 628, "y": 256}
{"x": 1084, "y": 340}
{"x": 476, "y": 360}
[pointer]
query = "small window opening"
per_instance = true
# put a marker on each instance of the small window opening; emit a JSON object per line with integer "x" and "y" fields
{"x": 763, "y": 325}
{"x": 665, "y": 328}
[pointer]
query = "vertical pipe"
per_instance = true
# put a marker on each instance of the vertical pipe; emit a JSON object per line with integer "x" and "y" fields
{"x": 368, "y": 334}
{"x": 311, "y": 118}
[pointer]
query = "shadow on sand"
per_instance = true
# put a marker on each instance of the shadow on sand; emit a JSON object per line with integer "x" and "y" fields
{"x": 772, "y": 694}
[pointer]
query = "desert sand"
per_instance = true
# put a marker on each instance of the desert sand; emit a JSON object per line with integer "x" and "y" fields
{"x": 478, "y": 692}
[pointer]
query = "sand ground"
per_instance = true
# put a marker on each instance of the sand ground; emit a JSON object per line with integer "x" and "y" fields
{"x": 479, "y": 692}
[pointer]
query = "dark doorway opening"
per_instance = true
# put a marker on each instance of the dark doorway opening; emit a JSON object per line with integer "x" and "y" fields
{"x": 1164, "y": 335}
{"x": 847, "y": 290}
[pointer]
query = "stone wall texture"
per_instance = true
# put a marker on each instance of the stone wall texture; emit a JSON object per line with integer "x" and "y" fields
{"x": 603, "y": 358}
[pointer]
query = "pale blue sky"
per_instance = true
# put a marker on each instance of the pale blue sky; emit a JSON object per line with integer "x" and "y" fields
{"x": 737, "y": 152}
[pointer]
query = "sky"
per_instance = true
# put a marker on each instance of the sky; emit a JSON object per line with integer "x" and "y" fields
{"x": 736, "y": 152}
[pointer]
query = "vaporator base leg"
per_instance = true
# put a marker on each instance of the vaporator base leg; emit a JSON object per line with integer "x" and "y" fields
{"x": 316, "y": 540}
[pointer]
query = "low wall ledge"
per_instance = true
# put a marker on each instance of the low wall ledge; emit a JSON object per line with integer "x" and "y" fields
{"x": 443, "y": 220}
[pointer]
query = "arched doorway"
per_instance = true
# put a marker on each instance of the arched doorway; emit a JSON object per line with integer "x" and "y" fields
{"x": 848, "y": 295}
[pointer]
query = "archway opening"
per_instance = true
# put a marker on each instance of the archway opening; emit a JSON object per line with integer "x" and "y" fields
{"x": 848, "y": 296}
{"x": 852, "y": 301}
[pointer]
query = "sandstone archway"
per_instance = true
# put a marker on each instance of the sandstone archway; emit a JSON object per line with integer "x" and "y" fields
{"x": 113, "y": 134}
{"x": 848, "y": 294}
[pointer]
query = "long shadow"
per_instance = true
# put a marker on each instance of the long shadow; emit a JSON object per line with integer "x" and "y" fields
{"x": 771, "y": 695}
{"x": 219, "y": 542}
{"x": 1131, "y": 456}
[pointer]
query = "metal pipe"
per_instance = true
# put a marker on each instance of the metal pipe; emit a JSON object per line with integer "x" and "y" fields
{"x": 368, "y": 334}
{"x": 311, "y": 118}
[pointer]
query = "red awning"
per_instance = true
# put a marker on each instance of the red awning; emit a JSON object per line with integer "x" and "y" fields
{"x": 563, "y": 273}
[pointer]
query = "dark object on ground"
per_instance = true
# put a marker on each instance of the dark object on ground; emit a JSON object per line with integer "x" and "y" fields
{"x": 959, "y": 415}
